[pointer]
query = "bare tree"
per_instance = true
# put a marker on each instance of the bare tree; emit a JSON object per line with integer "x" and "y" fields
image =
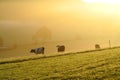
{"x": 42, "y": 35}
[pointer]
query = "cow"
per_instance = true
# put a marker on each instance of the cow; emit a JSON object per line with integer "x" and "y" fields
{"x": 61, "y": 48}
{"x": 38, "y": 50}
{"x": 97, "y": 46}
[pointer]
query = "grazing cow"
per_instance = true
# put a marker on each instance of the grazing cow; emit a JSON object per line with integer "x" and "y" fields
{"x": 97, "y": 46}
{"x": 61, "y": 48}
{"x": 38, "y": 50}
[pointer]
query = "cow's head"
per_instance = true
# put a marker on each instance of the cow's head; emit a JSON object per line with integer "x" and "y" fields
{"x": 32, "y": 51}
{"x": 58, "y": 46}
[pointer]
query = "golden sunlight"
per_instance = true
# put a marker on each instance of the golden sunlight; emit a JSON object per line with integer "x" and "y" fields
{"x": 103, "y": 1}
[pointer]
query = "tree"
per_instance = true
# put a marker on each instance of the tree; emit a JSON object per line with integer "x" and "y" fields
{"x": 42, "y": 35}
{"x": 1, "y": 42}
{"x": 78, "y": 37}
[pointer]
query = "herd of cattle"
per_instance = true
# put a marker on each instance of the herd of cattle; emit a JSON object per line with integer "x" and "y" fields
{"x": 42, "y": 49}
{"x": 59, "y": 49}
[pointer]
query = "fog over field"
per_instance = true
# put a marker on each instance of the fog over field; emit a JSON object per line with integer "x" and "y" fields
{"x": 73, "y": 23}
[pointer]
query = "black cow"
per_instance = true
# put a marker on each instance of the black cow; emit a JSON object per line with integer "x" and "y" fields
{"x": 38, "y": 50}
{"x": 97, "y": 46}
{"x": 61, "y": 48}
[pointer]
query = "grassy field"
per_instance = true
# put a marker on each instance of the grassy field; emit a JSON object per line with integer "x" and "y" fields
{"x": 94, "y": 65}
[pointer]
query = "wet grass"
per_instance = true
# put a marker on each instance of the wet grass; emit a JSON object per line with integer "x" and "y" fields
{"x": 89, "y": 65}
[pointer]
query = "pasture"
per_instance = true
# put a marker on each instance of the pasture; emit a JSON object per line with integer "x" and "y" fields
{"x": 50, "y": 48}
{"x": 89, "y": 65}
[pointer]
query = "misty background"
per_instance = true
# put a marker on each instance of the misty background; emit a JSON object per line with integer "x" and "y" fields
{"x": 75, "y": 24}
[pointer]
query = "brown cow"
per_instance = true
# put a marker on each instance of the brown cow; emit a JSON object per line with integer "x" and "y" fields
{"x": 97, "y": 46}
{"x": 61, "y": 48}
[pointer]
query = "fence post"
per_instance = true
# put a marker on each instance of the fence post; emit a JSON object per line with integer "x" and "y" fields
{"x": 109, "y": 44}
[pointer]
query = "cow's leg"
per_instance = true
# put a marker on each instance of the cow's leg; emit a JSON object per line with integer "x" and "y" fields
{"x": 43, "y": 52}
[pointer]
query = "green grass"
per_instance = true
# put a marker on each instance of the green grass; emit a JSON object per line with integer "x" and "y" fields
{"x": 89, "y": 65}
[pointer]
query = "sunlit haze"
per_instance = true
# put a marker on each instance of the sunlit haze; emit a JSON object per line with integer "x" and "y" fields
{"x": 103, "y": 1}
{"x": 78, "y": 24}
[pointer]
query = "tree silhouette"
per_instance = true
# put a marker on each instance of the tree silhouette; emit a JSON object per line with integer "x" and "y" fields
{"x": 1, "y": 42}
{"x": 42, "y": 35}
{"x": 77, "y": 37}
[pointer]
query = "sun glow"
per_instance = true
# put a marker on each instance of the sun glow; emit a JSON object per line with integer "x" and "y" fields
{"x": 103, "y": 1}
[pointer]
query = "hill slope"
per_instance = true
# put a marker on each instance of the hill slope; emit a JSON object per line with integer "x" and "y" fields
{"x": 96, "y": 65}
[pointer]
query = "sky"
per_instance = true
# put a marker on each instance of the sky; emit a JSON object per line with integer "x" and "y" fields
{"x": 66, "y": 19}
